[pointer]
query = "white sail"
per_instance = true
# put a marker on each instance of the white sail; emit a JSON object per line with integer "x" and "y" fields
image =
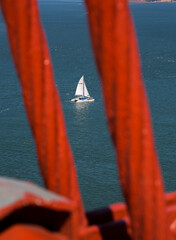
{"x": 80, "y": 87}
{"x": 85, "y": 93}
{"x": 81, "y": 93}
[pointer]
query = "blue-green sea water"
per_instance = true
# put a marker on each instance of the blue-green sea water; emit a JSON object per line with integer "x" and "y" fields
{"x": 65, "y": 25}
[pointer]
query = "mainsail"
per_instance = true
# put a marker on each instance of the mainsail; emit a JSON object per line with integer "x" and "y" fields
{"x": 81, "y": 89}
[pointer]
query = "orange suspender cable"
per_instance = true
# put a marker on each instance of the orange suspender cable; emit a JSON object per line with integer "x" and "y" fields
{"x": 117, "y": 59}
{"x": 34, "y": 68}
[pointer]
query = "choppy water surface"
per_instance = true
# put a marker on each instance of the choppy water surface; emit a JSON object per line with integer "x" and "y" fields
{"x": 66, "y": 30}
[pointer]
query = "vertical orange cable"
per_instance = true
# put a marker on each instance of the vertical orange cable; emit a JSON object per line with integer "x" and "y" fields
{"x": 128, "y": 115}
{"x": 34, "y": 68}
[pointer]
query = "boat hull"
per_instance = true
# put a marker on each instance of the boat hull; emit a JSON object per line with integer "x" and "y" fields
{"x": 81, "y": 100}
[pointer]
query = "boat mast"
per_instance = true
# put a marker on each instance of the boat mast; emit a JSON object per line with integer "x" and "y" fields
{"x": 83, "y": 85}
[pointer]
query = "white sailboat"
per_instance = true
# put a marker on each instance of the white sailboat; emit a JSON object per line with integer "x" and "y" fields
{"x": 82, "y": 94}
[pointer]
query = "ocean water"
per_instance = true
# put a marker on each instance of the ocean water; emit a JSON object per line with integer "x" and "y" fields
{"x": 66, "y": 29}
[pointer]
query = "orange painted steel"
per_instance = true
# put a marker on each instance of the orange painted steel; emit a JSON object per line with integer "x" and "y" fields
{"x": 33, "y": 64}
{"x": 148, "y": 212}
{"x": 128, "y": 115}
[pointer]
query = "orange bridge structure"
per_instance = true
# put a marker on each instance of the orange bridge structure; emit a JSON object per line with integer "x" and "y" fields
{"x": 57, "y": 212}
